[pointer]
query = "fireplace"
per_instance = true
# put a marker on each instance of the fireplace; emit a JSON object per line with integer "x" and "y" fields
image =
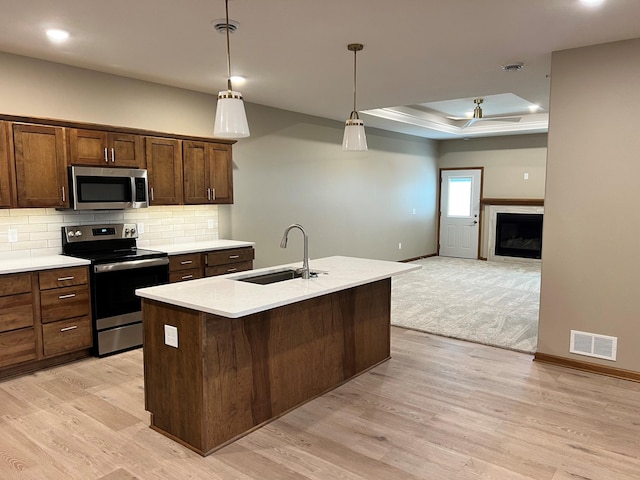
{"x": 519, "y": 235}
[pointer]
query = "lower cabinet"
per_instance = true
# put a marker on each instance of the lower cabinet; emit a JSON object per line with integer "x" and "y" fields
{"x": 17, "y": 325}
{"x": 220, "y": 262}
{"x": 43, "y": 315}
{"x": 190, "y": 266}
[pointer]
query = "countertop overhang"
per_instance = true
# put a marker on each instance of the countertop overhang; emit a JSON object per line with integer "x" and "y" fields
{"x": 228, "y": 297}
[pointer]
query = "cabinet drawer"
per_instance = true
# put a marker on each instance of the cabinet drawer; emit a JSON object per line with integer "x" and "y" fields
{"x": 229, "y": 268}
{"x": 63, "y": 277}
{"x": 65, "y": 302}
{"x": 16, "y": 311}
{"x": 185, "y": 262}
{"x": 182, "y": 275}
{"x": 17, "y": 283}
{"x": 18, "y": 346}
{"x": 67, "y": 336}
{"x": 234, "y": 255}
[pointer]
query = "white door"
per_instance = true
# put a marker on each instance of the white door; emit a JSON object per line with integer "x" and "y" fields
{"x": 459, "y": 213}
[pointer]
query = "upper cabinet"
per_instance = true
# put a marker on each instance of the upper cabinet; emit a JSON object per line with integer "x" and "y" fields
{"x": 164, "y": 170}
{"x": 105, "y": 149}
{"x": 208, "y": 173}
{"x": 5, "y": 165}
{"x": 40, "y": 163}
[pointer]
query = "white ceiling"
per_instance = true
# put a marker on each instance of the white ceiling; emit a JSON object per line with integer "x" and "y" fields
{"x": 294, "y": 52}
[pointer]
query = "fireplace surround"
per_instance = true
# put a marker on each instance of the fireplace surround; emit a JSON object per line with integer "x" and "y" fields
{"x": 516, "y": 242}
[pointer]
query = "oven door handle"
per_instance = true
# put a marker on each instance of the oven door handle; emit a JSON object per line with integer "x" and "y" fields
{"x": 130, "y": 265}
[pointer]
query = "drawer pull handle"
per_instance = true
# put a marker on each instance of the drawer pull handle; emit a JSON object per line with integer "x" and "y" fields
{"x": 62, "y": 297}
{"x": 233, "y": 256}
{"x": 232, "y": 270}
{"x": 62, "y": 279}
{"x": 187, "y": 277}
{"x": 186, "y": 262}
{"x": 68, "y": 328}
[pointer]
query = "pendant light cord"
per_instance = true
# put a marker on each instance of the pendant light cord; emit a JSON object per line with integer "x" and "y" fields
{"x": 355, "y": 53}
{"x": 226, "y": 7}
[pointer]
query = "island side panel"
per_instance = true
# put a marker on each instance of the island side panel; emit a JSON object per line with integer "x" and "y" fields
{"x": 173, "y": 376}
{"x": 260, "y": 366}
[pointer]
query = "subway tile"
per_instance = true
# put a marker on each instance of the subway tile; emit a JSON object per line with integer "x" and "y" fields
{"x": 45, "y": 219}
{"x": 45, "y": 236}
{"x": 28, "y": 245}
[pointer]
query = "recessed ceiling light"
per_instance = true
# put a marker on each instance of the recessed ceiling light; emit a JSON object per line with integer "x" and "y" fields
{"x": 56, "y": 35}
{"x": 238, "y": 79}
{"x": 592, "y": 3}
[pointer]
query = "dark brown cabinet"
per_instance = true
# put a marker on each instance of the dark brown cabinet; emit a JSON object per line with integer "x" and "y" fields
{"x": 17, "y": 332}
{"x": 220, "y": 262}
{"x": 183, "y": 267}
{"x": 5, "y": 166}
{"x": 65, "y": 310}
{"x": 208, "y": 173}
{"x": 40, "y": 163}
{"x": 105, "y": 149}
{"x": 164, "y": 170}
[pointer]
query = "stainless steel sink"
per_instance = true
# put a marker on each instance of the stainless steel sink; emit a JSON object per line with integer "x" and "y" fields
{"x": 274, "y": 277}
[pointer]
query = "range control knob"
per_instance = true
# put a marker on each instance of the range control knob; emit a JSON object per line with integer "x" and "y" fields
{"x": 126, "y": 232}
{"x": 71, "y": 234}
{"x": 133, "y": 231}
{"x": 78, "y": 233}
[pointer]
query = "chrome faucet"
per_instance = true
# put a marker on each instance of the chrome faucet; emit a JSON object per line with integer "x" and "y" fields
{"x": 305, "y": 260}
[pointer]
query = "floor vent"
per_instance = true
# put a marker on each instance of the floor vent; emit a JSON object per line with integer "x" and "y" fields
{"x": 593, "y": 345}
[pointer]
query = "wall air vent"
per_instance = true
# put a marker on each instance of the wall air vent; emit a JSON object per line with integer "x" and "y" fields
{"x": 594, "y": 345}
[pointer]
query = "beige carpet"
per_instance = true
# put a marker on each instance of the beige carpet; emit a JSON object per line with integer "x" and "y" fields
{"x": 494, "y": 303}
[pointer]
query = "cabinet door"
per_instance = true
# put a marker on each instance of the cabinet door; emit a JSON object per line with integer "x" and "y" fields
{"x": 196, "y": 181}
{"x": 88, "y": 147}
{"x": 41, "y": 176}
{"x": 220, "y": 173}
{"x": 208, "y": 174}
{"x": 164, "y": 170}
{"x": 126, "y": 150}
{"x": 5, "y": 166}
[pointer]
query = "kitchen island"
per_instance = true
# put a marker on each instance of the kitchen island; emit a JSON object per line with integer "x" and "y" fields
{"x": 223, "y": 356}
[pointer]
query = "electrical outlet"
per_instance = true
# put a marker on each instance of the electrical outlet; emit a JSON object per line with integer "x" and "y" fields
{"x": 399, "y": 246}
{"x": 413, "y": 212}
{"x": 210, "y": 223}
{"x": 171, "y": 336}
{"x": 526, "y": 176}
{"x": 12, "y": 233}
{"x": 140, "y": 227}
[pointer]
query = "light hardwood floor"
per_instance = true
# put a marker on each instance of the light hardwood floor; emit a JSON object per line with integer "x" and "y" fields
{"x": 440, "y": 409}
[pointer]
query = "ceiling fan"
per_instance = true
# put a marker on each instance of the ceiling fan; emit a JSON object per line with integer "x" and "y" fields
{"x": 478, "y": 116}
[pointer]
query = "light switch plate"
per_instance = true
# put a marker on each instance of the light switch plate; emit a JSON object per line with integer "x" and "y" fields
{"x": 171, "y": 336}
{"x": 141, "y": 227}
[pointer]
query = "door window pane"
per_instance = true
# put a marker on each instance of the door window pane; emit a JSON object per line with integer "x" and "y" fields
{"x": 459, "y": 204}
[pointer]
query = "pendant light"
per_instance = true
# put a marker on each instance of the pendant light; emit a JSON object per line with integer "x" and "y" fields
{"x": 231, "y": 119}
{"x": 354, "y": 137}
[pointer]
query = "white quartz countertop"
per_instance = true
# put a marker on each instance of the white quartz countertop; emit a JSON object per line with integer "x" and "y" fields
{"x": 22, "y": 263}
{"x": 230, "y": 298}
{"x": 45, "y": 262}
{"x": 203, "y": 246}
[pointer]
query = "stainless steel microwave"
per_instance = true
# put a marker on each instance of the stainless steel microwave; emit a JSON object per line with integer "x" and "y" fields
{"x": 95, "y": 188}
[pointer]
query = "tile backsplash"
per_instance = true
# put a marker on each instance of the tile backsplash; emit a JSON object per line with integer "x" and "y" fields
{"x": 39, "y": 229}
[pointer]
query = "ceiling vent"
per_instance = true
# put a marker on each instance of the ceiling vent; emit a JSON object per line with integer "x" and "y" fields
{"x": 512, "y": 67}
{"x": 221, "y": 25}
{"x": 593, "y": 345}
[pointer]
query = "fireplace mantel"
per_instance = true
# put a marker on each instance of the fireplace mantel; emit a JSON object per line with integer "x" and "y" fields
{"x": 528, "y": 202}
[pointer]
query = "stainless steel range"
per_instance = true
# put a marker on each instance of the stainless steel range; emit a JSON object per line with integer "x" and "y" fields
{"x": 118, "y": 268}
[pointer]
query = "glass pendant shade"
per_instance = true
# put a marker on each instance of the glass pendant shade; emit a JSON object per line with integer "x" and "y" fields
{"x": 231, "y": 119}
{"x": 354, "y": 139}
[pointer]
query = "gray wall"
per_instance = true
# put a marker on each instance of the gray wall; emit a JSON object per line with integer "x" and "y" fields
{"x": 590, "y": 260}
{"x": 292, "y": 170}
